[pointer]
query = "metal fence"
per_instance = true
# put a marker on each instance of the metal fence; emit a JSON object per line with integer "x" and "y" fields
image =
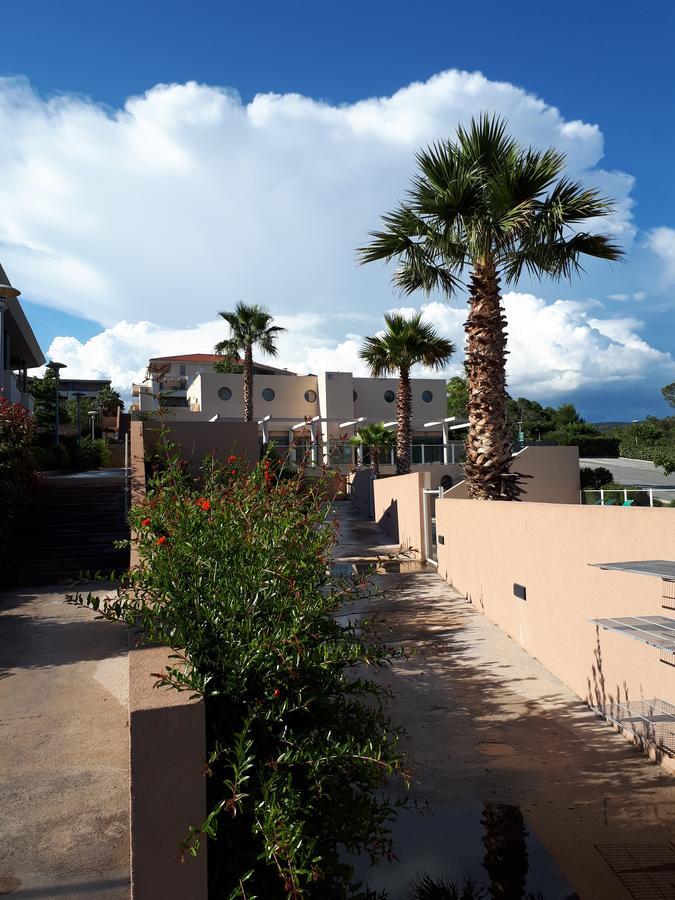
{"x": 629, "y": 496}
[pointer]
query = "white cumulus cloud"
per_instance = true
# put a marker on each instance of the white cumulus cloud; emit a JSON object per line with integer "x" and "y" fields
{"x": 662, "y": 242}
{"x": 187, "y": 199}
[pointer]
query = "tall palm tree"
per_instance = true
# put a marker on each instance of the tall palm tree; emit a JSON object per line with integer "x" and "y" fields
{"x": 405, "y": 343}
{"x": 250, "y": 326}
{"x": 374, "y": 438}
{"x": 485, "y": 203}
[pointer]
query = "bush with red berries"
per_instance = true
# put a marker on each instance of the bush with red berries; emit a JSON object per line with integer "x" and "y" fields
{"x": 234, "y": 575}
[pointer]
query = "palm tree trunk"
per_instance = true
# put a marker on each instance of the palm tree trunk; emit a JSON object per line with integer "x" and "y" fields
{"x": 488, "y": 446}
{"x": 403, "y": 416}
{"x": 248, "y": 383}
{"x": 375, "y": 461}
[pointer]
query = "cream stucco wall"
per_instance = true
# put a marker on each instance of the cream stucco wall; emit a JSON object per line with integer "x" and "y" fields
{"x": 399, "y": 509}
{"x": 288, "y": 403}
{"x": 547, "y": 548}
{"x": 370, "y": 400}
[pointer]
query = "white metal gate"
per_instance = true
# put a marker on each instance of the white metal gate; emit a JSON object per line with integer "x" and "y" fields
{"x": 429, "y": 498}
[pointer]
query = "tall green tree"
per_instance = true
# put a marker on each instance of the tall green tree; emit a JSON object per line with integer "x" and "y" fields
{"x": 43, "y": 391}
{"x": 375, "y": 439}
{"x": 484, "y": 204}
{"x": 668, "y": 392}
{"x": 250, "y": 326}
{"x": 458, "y": 397}
{"x": 405, "y": 343}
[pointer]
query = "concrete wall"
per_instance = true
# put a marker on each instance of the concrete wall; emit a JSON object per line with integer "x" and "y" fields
{"x": 167, "y": 753}
{"x": 554, "y": 471}
{"x": 399, "y": 509}
{"x": 289, "y": 395}
{"x": 547, "y": 548}
{"x": 196, "y": 439}
{"x": 370, "y": 400}
{"x": 361, "y": 491}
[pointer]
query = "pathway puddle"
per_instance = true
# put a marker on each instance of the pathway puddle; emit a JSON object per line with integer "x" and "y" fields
{"x": 488, "y": 843}
{"x": 348, "y": 569}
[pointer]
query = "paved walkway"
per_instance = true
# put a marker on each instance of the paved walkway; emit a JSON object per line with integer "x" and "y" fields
{"x": 490, "y": 731}
{"x": 64, "y": 751}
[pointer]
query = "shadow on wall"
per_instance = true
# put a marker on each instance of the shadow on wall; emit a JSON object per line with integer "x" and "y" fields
{"x": 388, "y": 520}
{"x": 361, "y": 491}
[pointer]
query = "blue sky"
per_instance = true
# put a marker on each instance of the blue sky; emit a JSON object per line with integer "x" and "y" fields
{"x": 611, "y": 69}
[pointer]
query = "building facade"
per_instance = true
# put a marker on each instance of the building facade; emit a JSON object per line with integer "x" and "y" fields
{"x": 19, "y": 349}
{"x": 312, "y": 415}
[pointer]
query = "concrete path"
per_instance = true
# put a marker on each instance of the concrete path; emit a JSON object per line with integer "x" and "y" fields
{"x": 64, "y": 751}
{"x": 488, "y": 724}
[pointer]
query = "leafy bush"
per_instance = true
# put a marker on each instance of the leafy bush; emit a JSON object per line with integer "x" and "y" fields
{"x": 589, "y": 445}
{"x": 664, "y": 457}
{"x": 92, "y": 454}
{"x": 234, "y": 576}
{"x": 592, "y": 479}
{"x": 67, "y": 456}
{"x": 17, "y": 468}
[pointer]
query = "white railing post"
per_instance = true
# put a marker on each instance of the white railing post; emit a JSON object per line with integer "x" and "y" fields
{"x": 651, "y": 496}
{"x": 625, "y": 495}
{"x": 602, "y": 497}
{"x": 423, "y": 454}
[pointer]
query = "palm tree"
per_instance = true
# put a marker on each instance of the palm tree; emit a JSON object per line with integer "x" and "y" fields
{"x": 374, "y": 438}
{"x": 405, "y": 343}
{"x": 487, "y": 204}
{"x": 250, "y": 326}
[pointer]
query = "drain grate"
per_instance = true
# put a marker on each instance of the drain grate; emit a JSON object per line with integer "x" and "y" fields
{"x": 647, "y": 871}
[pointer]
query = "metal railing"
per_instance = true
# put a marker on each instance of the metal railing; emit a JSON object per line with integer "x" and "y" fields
{"x": 626, "y": 496}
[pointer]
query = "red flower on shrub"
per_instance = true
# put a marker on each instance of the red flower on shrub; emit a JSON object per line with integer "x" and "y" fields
{"x": 204, "y": 504}
{"x": 161, "y": 540}
{"x": 231, "y": 459}
{"x": 145, "y": 522}
{"x": 277, "y": 693}
{"x": 233, "y": 472}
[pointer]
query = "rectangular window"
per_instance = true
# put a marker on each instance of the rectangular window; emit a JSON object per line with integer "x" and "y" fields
{"x": 181, "y": 370}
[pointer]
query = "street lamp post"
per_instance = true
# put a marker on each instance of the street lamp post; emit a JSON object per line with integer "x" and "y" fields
{"x": 92, "y": 417}
{"x": 56, "y": 368}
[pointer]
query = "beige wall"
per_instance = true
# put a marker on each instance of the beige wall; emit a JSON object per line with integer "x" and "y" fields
{"x": 197, "y": 439}
{"x": 399, "y": 509}
{"x": 361, "y": 491}
{"x": 370, "y": 400}
{"x": 547, "y": 548}
{"x": 554, "y": 471}
{"x": 289, "y": 401}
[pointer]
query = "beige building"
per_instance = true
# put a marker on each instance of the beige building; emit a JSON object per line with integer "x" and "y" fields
{"x": 19, "y": 349}
{"x": 316, "y": 413}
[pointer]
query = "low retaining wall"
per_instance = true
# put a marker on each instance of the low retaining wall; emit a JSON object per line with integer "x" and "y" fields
{"x": 546, "y": 548}
{"x": 553, "y": 471}
{"x": 361, "y": 491}
{"x": 197, "y": 439}
{"x": 167, "y": 753}
{"x": 399, "y": 510}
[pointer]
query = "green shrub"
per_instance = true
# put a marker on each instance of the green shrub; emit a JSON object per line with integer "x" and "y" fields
{"x": 234, "y": 575}
{"x": 594, "y": 478}
{"x": 665, "y": 458}
{"x": 590, "y": 445}
{"x": 17, "y": 468}
{"x": 92, "y": 454}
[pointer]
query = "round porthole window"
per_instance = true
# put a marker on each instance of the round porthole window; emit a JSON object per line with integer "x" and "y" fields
{"x": 389, "y": 396}
{"x": 310, "y": 396}
{"x": 267, "y": 394}
{"x": 427, "y": 396}
{"x": 224, "y": 393}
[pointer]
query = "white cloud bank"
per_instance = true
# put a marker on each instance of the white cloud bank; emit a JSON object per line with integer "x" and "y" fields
{"x": 555, "y": 348}
{"x": 187, "y": 200}
{"x": 662, "y": 242}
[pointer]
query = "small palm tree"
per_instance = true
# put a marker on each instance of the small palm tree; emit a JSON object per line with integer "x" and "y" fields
{"x": 487, "y": 204}
{"x": 404, "y": 344}
{"x": 374, "y": 438}
{"x": 250, "y": 326}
